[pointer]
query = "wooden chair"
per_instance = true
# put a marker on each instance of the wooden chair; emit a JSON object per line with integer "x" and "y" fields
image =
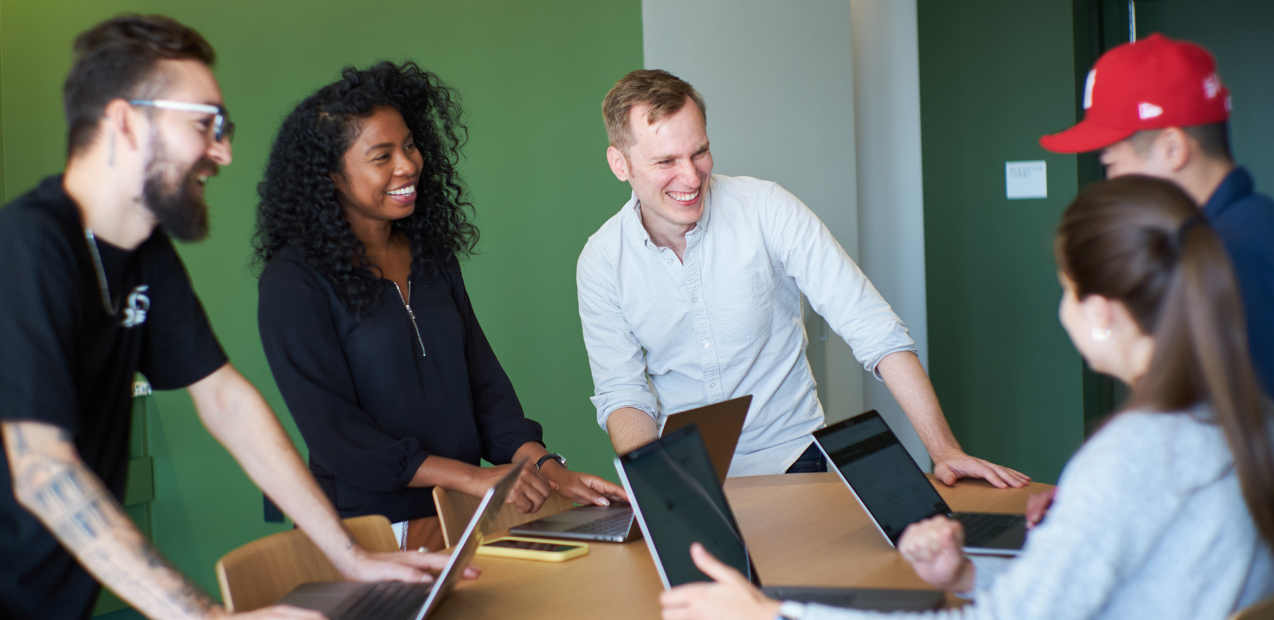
{"x": 261, "y": 572}
{"x": 455, "y": 509}
{"x": 1263, "y": 610}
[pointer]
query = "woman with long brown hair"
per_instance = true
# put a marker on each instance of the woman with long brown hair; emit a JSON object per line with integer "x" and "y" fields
{"x": 1168, "y": 510}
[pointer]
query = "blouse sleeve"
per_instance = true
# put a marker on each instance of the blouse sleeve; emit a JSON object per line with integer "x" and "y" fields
{"x": 502, "y": 425}
{"x": 1113, "y": 504}
{"x": 298, "y": 330}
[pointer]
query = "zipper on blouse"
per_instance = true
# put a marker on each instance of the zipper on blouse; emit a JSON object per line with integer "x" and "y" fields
{"x": 411, "y": 315}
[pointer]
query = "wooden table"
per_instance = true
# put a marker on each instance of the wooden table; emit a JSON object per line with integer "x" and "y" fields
{"x": 802, "y": 529}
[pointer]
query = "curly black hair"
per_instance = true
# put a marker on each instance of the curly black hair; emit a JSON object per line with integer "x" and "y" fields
{"x": 299, "y": 201}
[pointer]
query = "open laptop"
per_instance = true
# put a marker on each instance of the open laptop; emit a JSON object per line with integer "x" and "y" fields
{"x": 722, "y": 423}
{"x": 678, "y": 502}
{"x": 875, "y": 466}
{"x": 349, "y": 600}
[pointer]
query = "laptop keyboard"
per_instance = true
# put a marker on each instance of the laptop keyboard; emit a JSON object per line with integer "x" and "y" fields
{"x": 617, "y": 524}
{"x": 383, "y": 601}
{"x": 980, "y": 527}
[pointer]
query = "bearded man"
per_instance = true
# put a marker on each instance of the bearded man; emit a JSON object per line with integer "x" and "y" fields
{"x": 92, "y": 293}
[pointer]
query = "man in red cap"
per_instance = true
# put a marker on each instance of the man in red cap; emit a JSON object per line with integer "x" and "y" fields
{"x": 1157, "y": 107}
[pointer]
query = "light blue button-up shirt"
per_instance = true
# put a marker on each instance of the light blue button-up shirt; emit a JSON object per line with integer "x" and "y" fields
{"x": 665, "y": 336}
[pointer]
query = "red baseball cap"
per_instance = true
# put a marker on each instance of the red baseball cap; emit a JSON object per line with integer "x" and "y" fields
{"x": 1153, "y": 83}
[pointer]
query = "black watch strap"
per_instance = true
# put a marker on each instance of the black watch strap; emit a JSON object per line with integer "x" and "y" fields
{"x": 555, "y": 457}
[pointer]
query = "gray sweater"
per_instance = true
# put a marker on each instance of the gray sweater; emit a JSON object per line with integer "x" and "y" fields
{"x": 1148, "y": 522}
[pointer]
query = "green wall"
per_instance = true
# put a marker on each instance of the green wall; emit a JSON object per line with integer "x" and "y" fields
{"x": 1240, "y": 33}
{"x": 532, "y": 76}
{"x": 994, "y": 76}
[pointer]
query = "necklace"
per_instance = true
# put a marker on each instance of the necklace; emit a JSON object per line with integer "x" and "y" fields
{"x": 102, "y": 284}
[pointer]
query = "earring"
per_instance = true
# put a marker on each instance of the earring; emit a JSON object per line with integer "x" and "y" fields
{"x": 1101, "y": 335}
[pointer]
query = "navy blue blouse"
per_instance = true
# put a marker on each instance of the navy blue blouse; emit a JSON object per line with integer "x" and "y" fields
{"x": 369, "y": 402}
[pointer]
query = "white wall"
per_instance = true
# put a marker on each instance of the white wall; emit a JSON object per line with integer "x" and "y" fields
{"x": 782, "y": 89}
{"x": 778, "y": 82}
{"x": 890, "y": 198}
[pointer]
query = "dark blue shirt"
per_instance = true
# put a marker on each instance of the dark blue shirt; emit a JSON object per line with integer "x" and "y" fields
{"x": 1245, "y": 222}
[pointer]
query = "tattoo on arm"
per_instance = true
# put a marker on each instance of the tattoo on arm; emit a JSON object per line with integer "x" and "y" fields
{"x": 19, "y": 441}
{"x": 54, "y": 484}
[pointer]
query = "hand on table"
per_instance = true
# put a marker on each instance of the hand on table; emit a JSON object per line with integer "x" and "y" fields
{"x": 409, "y": 566}
{"x": 934, "y": 549}
{"x": 528, "y": 493}
{"x": 1037, "y": 506}
{"x": 954, "y": 465}
{"x": 729, "y": 596}
{"x": 276, "y": 612}
{"x": 580, "y": 487}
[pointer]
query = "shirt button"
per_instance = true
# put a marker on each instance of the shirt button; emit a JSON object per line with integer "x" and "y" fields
{"x": 670, "y": 261}
{"x": 694, "y": 300}
{"x": 706, "y": 344}
{"x": 712, "y": 385}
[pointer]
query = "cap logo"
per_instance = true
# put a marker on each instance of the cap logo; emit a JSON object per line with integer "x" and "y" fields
{"x": 1212, "y": 86}
{"x": 1148, "y": 110}
{"x": 1088, "y": 88}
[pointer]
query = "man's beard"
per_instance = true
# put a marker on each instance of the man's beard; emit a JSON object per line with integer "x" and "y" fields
{"x": 181, "y": 210}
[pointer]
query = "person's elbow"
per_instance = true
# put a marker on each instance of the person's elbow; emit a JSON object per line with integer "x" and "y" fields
{"x": 389, "y": 471}
{"x": 218, "y": 394}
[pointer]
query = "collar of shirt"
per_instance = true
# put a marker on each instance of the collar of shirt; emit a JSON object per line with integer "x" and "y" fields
{"x": 1236, "y": 186}
{"x": 633, "y": 211}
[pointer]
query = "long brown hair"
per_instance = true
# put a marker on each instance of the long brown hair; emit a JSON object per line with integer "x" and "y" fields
{"x": 1143, "y": 242}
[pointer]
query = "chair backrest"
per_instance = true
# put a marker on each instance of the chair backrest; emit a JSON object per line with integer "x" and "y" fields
{"x": 455, "y": 509}
{"x": 1263, "y": 610}
{"x": 261, "y": 572}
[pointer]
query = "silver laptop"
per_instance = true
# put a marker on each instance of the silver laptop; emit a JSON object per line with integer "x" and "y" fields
{"x": 875, "y": 466}
{"x": 349, "y": 600}
{"x": 678, "y": 502}
{"x": 721, "y": 425}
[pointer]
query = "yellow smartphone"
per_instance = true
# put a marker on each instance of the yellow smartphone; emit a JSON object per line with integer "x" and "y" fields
{"x": 533, "y": 549}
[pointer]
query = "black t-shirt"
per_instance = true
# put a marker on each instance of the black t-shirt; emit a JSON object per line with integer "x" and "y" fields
{"x": 66, "y": 361}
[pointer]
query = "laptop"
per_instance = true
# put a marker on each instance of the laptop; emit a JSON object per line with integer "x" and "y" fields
{"x": 722, "y": 423}
{"x": 875, "y": 466}
{"x": 678, "y": 502}
{"x": 349, "y": 600}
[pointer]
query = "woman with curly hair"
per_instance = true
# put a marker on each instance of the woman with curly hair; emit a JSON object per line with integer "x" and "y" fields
{"x": 364, "y": 314}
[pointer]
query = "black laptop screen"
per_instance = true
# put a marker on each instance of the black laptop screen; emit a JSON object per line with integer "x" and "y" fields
{"x": 879, "y": 470}
{"x": 679, "y": 497}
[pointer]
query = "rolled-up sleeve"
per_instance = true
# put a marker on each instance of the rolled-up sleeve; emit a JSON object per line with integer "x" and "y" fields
{"x": 615, "y": 357}
{"x": 309, "y": 366}
{"x": 837, "y": 289}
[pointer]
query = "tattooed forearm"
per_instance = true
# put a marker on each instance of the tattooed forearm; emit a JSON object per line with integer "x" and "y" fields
{"x": 192, "y": 598}
{"x": 72, "y": 504}
{"x": 51, "y": 481}
{"x": 188, "y": 594}
{"x": 19, "y": 442}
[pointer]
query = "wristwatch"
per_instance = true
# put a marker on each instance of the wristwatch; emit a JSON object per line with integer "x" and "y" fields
{"x": 555, "y": 456}
{"x": 791, "y": 610}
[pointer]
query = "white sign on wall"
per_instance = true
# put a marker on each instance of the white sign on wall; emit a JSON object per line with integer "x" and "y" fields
{"x": 1025, "y": 179}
